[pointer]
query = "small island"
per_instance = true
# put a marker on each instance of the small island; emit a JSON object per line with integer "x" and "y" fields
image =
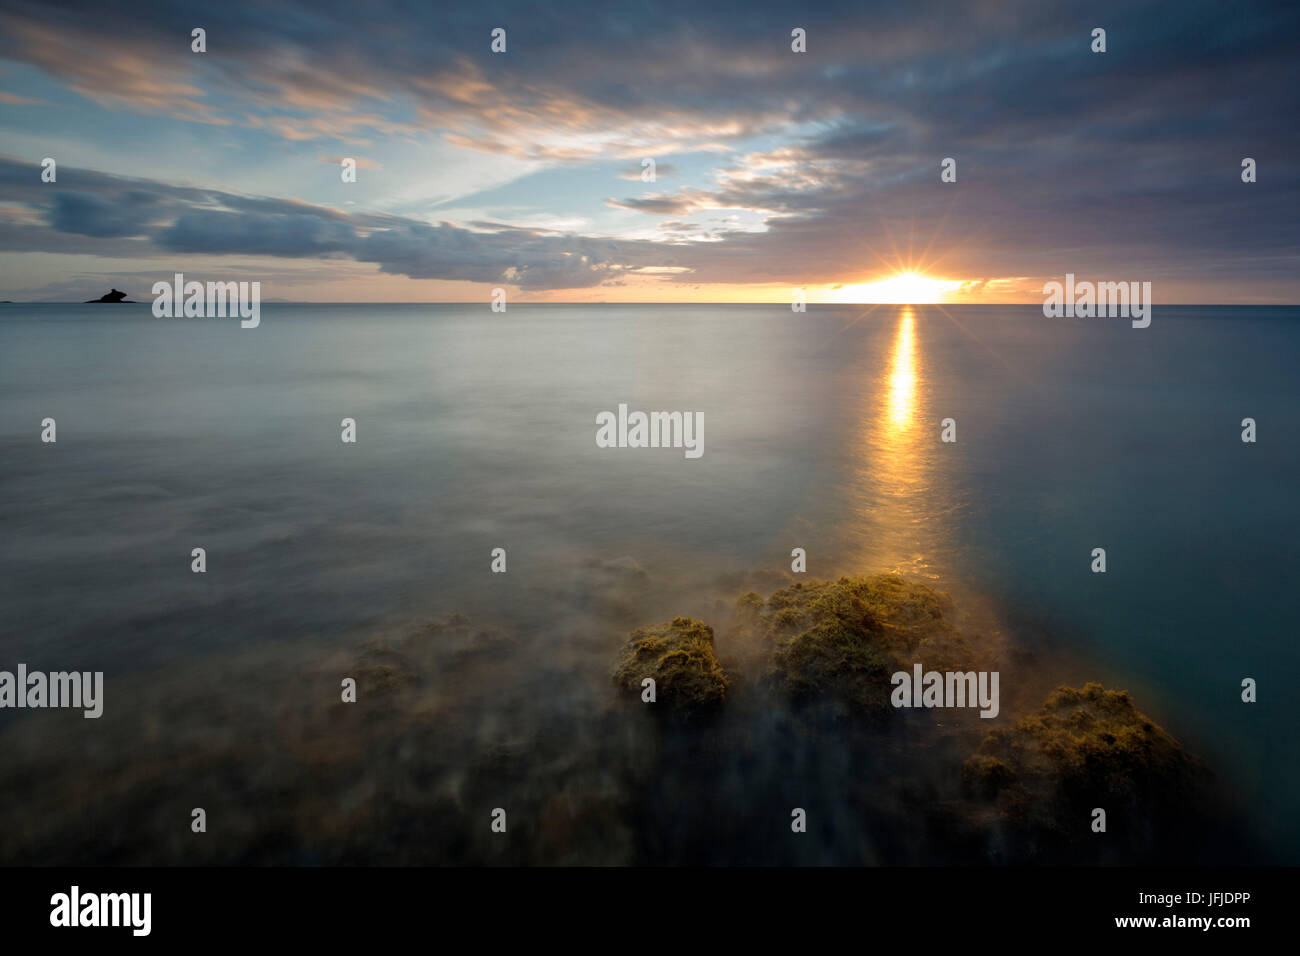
{"x": 112, "y": 297}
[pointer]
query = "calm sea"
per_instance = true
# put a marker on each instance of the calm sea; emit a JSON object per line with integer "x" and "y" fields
{"x": 477, "y": 430}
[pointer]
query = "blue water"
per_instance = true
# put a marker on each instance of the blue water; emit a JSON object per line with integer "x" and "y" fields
{"x": 476, "y": 431}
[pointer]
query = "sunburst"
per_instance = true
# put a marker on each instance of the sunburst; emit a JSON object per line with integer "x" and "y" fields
{"x": 905, "y": 288}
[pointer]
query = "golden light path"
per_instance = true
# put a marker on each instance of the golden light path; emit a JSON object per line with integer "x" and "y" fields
{"x": 902, "y": 374}
{"x": 895, "y": 472}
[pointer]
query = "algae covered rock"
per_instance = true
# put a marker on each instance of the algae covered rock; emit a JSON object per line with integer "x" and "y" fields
{"x": 679, "y": 656}
{"x": 843, "y": 639}
{"x": 1087, "y": 748}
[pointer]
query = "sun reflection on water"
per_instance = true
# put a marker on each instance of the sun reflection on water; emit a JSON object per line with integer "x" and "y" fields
{"x": 902, "y": 373}
{"x": 896, "y": 508}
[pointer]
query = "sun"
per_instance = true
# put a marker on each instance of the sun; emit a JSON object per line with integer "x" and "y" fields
{"x": 906, "y": 288}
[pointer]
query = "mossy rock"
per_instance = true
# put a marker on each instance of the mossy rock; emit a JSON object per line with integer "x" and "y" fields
{"x": 1087, "y": 747}
{"x": 842, "y": 640}
{"x": 1086, "y": 737}
{"x": 679, "y": 655}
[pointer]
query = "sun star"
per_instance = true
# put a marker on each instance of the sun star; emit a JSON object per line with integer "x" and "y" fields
{"x": 907, "y": 288}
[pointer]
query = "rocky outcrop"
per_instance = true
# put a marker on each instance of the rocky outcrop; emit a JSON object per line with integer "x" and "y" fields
{"x": 842, "y": 640}
{"x": 679, "y": 656}
{"x": 1042, "y": 781}
{"x": 112, "y": 297}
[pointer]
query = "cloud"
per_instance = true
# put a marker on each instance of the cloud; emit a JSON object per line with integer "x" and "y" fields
{"x": 828, "y": 162}
{"x": 522, "y": 257}
{"x": 294, "y": 235}
{"x": 89, "y": 215}
{"x": 13, "y": 99}
{"x": 361, "y": 161}
{"x": 179, "y": 220}
{"x": 659, "y": 205}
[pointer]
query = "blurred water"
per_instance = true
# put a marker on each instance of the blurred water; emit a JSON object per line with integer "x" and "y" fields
{"x": 476, "y": 430}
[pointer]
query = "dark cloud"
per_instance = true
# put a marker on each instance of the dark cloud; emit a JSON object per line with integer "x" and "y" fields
{"x": 959, "y": 70}
{"x": 531, "y": 260}
{"x": 89, "y": 215}
{"x": 211, "y": 222}
{"x": 296, "y": 234}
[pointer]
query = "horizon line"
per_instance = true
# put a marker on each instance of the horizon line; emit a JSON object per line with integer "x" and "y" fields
{"x": 651, "y": 302}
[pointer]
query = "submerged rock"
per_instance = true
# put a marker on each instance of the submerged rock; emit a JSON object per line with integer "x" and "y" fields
{"x": 679, "y": 656}
{"x": 388, "y": 668}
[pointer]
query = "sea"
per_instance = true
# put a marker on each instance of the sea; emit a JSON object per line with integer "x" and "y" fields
{"x": 823, "y": 431}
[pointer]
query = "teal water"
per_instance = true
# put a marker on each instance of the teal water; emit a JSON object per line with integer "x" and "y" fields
{"x": 476, "y": 431}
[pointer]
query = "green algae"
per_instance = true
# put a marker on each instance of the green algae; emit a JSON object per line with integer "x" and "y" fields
{"x": 679, "y": 655}
{"x": 1087, "y": 748}
{"x": 1087, "y": 737}
{"x": 842, "y": 640}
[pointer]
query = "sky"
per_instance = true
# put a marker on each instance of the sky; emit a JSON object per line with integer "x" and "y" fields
{"x": 775, "y": 170}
